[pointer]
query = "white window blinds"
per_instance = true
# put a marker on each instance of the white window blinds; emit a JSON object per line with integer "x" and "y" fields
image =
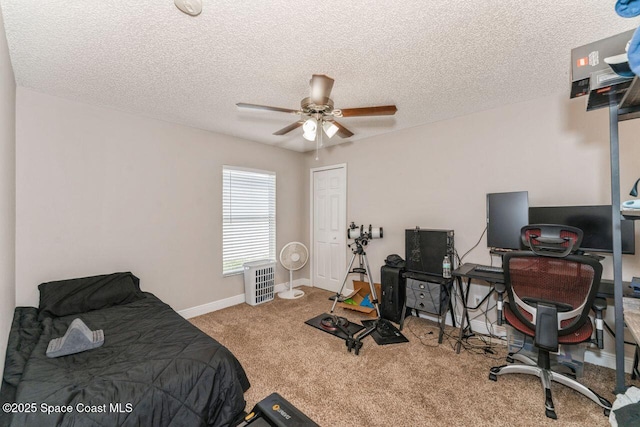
{"x": 248, "y": 217}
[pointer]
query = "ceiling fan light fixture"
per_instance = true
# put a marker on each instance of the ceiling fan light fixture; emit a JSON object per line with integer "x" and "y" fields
{"x": 190, "y": 7}
{"x": 309, "y": 128}
{"x": 330, "y": 129}
{"x": 317, "y": 115}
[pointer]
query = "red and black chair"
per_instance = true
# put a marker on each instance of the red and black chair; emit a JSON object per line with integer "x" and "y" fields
{"x": 551, "y": 290}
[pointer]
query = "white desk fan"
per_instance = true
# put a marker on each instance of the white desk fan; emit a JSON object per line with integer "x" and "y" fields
{"x": 293, "y": 256}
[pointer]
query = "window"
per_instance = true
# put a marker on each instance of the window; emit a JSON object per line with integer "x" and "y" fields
{"x": 248, "y": 217}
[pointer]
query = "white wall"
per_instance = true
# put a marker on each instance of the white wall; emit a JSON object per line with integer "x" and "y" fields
{"x": 100, "y": 190}
{"x": 438, "y": 175}
{"x": 7, "y": 192}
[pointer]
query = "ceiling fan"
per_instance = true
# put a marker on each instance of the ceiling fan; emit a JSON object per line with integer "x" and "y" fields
{"x": 317, "y": 115}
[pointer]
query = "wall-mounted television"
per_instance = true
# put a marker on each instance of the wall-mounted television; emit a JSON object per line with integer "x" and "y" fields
{"x": 594, "y": 221}
{"x": 507, "y": 213}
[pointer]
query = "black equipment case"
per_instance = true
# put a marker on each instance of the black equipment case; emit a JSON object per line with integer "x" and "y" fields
{"x": 275, "y": 411}
{"x": 393, "y": 293}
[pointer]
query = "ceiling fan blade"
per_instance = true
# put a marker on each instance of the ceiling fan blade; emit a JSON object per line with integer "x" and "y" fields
{"x": 321, "y": 86}
{"x": 343, "y": 132}
{"x": 266, "y": 107}
{"x": 384, "y": 110}
{"x": 289, "y": 128}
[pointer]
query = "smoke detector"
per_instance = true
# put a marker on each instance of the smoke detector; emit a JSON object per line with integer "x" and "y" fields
{"x": 190, "y": 7}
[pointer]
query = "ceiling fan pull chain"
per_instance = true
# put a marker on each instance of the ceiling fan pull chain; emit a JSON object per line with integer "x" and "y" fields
{"x": 318, "y": 137}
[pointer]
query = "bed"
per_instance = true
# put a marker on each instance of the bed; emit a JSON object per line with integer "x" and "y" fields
{"x": 154, "y": 368}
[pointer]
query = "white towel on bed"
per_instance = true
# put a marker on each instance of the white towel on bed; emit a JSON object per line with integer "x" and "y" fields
{"x": 78, "y": 338}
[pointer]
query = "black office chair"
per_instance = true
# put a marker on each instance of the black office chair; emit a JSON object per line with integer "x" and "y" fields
{"x": 551, "y": 291}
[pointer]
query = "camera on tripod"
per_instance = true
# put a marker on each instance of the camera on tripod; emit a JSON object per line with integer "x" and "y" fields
{"x": 362, "y": 235}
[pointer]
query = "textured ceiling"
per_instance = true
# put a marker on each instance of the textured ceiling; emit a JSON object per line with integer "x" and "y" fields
{"x": 434, "y": 59}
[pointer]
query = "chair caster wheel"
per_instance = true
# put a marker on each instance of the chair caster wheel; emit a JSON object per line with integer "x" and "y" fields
{"x": 493, "y": 377}
{"x": 510, "y": 359}
{"x": 551, "y": 413}
{"x": 607, "y": 412}
{"x": 606, "y": 405}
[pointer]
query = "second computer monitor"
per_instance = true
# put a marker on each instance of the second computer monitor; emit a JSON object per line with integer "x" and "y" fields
{"x": 507, "y": 213}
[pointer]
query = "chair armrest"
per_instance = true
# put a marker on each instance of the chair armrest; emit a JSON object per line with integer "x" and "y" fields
{"x": 599, "y": 305}
{"x": 546, "y": 335}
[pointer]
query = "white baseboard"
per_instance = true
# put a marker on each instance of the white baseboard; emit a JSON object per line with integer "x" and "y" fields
{"x": 606, "y": 359}
{"x": 199, "y": 310}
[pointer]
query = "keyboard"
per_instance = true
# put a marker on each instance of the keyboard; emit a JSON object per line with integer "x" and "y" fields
{"x": 488, "y": 269}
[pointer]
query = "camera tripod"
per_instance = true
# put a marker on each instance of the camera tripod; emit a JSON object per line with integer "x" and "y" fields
{"x": 355, "y": 342}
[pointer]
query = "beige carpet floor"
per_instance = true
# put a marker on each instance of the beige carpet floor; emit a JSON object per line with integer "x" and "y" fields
{"x": 419, "y": 383}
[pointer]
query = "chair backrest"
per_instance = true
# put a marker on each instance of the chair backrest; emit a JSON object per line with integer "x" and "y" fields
{"x": 551, "y": 239}
{"x": 569, "y": 283}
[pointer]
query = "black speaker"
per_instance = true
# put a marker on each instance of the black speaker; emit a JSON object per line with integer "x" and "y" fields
{"x": 425, "y": 250}
{"x": 393, "y": 293}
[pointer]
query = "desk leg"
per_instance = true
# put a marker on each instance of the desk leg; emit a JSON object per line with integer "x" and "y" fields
{"x": 634, "y": 369}
{"x": 466, "y": 305}
{"x": 451, "y": 312}
{"x": 404, "y": 313}
{"x": 443, "y": 316}
{"x": 465, "y": 314}
{"x": 442, "y": 319}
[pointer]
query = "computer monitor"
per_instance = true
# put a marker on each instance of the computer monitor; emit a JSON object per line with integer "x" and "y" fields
{"x": 594, "y": 221}
{"x": 507, "y": 213}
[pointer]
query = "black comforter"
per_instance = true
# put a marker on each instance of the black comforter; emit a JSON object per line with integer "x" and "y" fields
{"x": 154, "y": 369}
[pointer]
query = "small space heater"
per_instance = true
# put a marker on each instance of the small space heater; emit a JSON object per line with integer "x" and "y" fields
{"x": 259, "y": 281}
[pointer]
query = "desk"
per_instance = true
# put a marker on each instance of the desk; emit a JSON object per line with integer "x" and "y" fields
{"x": 467, "y": 270}
{"x": 632, "y": 320}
